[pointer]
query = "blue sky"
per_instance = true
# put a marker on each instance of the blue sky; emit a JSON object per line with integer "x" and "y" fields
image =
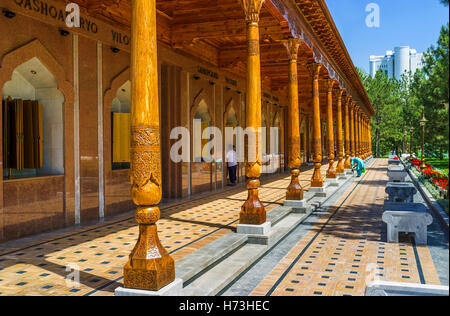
{"x": 414, "y": 23}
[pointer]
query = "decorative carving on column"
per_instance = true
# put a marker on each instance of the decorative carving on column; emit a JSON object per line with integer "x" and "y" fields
{"x": 253, "y": 211}
{"x": 331, "y": 172}
{"x": 360, "y": 150}
{"x": 348, "y": 147}
{"x": 150, "y": 267}
{"x": 364, "y": 137}
{"x": 317, "y": 180}
{"x": 361, "y": 133}
{"x": 340, "y": 169}
{"x": 352, "y": 129}
{"x": 370, "y": 138}
{"x": 357, "y": 153}
{"x": 294, "y": 190}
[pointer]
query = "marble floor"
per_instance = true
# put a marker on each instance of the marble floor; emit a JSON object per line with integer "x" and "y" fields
{"x": 99, "y": 252}
{"x": 345, "y": 249}
{"x": 336, "y": 256}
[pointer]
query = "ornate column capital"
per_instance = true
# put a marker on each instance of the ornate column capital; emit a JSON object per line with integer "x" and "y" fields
{"x": 339, "y": 94}
{"x": 348, "y": 101}
{"x": 314, "y": 69}
{"x": 252, "y": 8}
{"x": 330, "y": 85}
{"x": 292, "y": 46}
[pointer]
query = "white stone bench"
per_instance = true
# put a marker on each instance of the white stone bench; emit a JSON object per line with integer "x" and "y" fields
{"x": 397, "y": 173}
{"x": 394, "y": 162}
{"x": 407, "y": 218}
{"x": 385, "y": 288}
{"x": 401, "y": 191}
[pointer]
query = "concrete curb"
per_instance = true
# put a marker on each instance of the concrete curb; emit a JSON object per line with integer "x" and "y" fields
{"x": 429, "y": 199}
{"x": 384, "y": 288}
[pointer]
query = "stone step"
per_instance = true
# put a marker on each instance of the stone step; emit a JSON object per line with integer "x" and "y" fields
{"x": 277, "y": 214}
{"x": 231, "y": 255}
{"x": 193, "y": 264}
{"x": 214, "y": 280}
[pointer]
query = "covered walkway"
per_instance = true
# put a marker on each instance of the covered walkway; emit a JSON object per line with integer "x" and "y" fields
{"x": 39, "y": 267}
{"x": 334, "y": 257}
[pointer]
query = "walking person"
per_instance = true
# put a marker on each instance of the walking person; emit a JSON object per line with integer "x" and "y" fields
{"x": 231, "y": 159}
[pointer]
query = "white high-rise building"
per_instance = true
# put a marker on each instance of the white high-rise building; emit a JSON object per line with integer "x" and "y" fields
{"x": 395, "y": 63}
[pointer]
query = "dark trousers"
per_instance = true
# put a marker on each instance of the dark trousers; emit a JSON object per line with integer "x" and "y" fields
{"x": 232, "y": 174}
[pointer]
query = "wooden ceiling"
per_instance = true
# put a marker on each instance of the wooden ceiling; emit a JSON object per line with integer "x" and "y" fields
{"x": 215, "y": 32}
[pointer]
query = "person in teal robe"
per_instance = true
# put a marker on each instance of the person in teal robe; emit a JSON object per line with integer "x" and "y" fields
{"x": 358, "y": 165}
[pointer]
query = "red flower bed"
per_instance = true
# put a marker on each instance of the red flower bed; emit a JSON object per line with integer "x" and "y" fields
{"x": 436, "y": 177}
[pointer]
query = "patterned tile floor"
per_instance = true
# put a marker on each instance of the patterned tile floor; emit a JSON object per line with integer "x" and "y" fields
{"x": 335, "y": 260}
{"x": 343, "y": 251}
{"x": 99, "y": 252}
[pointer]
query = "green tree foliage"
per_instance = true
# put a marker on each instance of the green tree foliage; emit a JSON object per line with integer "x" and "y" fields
{"x": 398, "y": 104}
{"x": 387, "y": 123}
{"x": 430, "y": 86}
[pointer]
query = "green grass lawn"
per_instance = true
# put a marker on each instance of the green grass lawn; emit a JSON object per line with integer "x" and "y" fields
{"x": 440, "y": 164}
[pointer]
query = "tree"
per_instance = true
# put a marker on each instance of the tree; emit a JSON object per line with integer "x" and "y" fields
{"x": 387, "y": 123}
{"x": 431, "y": 90}
{"x": 398, "y": 104}
{"x": 444, "y": 2}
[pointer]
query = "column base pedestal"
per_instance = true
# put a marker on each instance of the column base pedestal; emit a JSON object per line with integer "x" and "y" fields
{"x": 349, "y": 172}
{"x": 320, "y": 192}
{"x": 173, "y": 289}
{"x": 263, "y": 229}
{"x": 297, "y": 206}
{"x": 332, "y": 182}
{"x": 342, "y": 176}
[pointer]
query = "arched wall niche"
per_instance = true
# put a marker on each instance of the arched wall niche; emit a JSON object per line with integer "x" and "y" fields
{"x": 122, "y": 102}
{"x": 303, "y": 139}
{"x": 33, "y": 81}
{"x": 230, "y": 119}
{"x": 14, "y": 67}
{"x": 117, "y": 182}
{"x": 202, "y": 108}
{"x": 277, "y": 139}
{"x": 60, "y": 188}
{"x": 110, "y": 95}
{"x": 34, "y": 49}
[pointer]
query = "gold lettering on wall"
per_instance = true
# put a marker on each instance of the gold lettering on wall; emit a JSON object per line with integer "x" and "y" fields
{"x": 54, "y": 13}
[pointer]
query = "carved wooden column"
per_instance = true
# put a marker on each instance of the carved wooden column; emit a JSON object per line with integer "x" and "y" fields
{"x": 363, "y": 148}
{"x": 294, "y": 191}
{"x": 352, "y": 129}
{"x": 331, "y": 172}
{"x": 348, "y": 146}
{"x": 360, "y": 127}
{"x": 253, "y": 211}
{"x": 365, "y": 137}
{"x": 307, "y": 140}
{"x": 370, "y": 139}
{"x": 368, "y": 136}
{"x": 357, "y": 148}
{"x": 150, "y": 267}
{"x": 340, "y": 169}
{"x": 317, "y": 180}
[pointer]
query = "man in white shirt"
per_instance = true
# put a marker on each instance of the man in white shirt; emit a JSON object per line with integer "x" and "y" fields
{"x": 231, "y": 159}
